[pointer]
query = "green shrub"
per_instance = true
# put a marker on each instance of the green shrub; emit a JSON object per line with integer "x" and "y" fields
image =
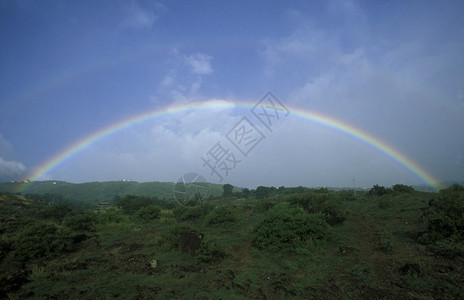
{"x": 264, "y": 205}
{"x": 110, "y": 215}
{"x": 310, "y": 201}
{"x": 379, "y": 190}
{"x": 385, "y": 203}
{"x": 171, "y": 236}
{"x": 450, "y": 248}
{"x": 55, "y": 212}
{"x": 82, "y": 222}
{"x": 42, "y": 240}
{"x": 5, "y": 248}
{"x": 183, "y": 213}
{"x": 221, "y": 215}
{"x": 131, "y": 204}
{"x": 401, "y": 188}
{"x": 346, "y": 195}
{"x": 287, "y": 227}
{"x": 321, "y": 202}
{"x": 149, "y": 213}
{"x": 211, "y": 250}
{"x": 178, "y": 211}
{"x": 445, "y": 216}
{"x": 387, "y": 242}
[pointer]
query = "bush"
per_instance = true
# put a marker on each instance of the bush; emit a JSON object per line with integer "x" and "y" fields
{"x": 287, "y": 227}
{"x": 5, "y": 248}
{"x": 178, "y": 211}
{"x": 130, "y": 204}
{"x": 385, "y": 203}
{"x": 149, "y": 213}
{"x": 221, "y": 215}
{"x": 308, "y": 201}
{"x": 110, "y": 215}
{"x": 387, "y": 241}
{"x": 379, "y": 190}
{"x": 264, "y": 205}
{"x": 171, "y": 236}
{"x": 346, "y": 195}
{"x": 183, "y": 213}
{"x": 42, "y": 241}
{"x": 82, "y": 222}
{"x": 320, "y": 202}
{"x": 445, "y": 216}
{"x": 55, "y": 212}
{"x": 211, "y": 250}
{"x": 401, "y": 188}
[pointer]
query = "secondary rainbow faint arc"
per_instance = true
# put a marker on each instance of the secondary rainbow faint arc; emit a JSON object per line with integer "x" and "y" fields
{"x": 318, "y": 118}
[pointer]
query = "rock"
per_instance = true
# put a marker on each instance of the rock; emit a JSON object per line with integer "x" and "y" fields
{"x": 411, "y": 269}
{"x": 153, "y": 263}
{"x": 190, "y": 242}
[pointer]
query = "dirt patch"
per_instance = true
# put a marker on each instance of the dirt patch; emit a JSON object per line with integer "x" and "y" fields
{"x": 190, "y": 242}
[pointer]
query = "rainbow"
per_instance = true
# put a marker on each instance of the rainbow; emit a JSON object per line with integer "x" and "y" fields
{"x": 315, "y": 117}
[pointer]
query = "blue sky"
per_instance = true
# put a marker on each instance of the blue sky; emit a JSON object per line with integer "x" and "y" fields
{"x": 394, "y": 69}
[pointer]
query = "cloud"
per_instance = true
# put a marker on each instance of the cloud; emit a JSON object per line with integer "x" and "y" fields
{"x": 184, "y": 79}
{"x": 399, "y": 88}
{"x": 11, "y": 170}
{"x": 199, "y": 63}
{"x": 158, "y": 150}
{"x": 139, "y": 17}
{"x": 297, "y": 152}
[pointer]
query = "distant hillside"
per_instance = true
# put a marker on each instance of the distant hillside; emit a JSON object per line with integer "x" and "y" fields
{"x": 93, "y": 192}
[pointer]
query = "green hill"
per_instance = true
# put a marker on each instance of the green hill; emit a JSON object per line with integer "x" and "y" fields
{"x": 94, "y": 192}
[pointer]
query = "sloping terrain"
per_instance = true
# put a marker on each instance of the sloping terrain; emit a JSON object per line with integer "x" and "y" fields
{"x": 372, "y": 251}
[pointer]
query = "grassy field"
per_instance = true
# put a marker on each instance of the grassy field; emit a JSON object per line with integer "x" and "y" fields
{"x": 370, "y": 251}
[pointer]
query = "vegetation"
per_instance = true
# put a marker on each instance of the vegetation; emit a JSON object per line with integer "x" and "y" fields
{"x": 445, "y": 216}
{"x": 221, "y": 215}
{"x": 264, "y": 243}
{"x": 288, "y": 227}
{"x": 228, "y": 188}
{"x": 94, "y": 192}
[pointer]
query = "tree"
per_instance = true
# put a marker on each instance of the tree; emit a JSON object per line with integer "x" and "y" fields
{"x": 227, "y": 190}
{"x": 130, "y": 204}
{"x": 401, "y": 188}
{"x": 262, "y": 192}
{"x": 379, "y": 190}
{"x": 149, "y": 213}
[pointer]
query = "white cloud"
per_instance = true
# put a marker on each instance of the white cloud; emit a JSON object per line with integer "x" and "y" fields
{"x": 199, "y": 63}
{"x": 161, "y": 149}
{"x": 140, "y": 17}
{"x": 297, "y": 152}
{"x": 399, "y": 89}
{"x": 11, "y": 170}
{"x": 184, "y": 80}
